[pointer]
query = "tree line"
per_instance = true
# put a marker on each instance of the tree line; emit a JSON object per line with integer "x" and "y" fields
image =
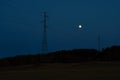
{"x": 65, "y": 56}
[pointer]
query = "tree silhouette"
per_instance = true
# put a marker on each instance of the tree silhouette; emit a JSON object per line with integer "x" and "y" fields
{"x": 65, "y": 56}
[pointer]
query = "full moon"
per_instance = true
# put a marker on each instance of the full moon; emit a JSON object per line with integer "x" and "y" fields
{"x": 80, "y": 26}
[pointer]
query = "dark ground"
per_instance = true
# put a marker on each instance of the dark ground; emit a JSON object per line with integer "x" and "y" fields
{"x": 63, "y": 71}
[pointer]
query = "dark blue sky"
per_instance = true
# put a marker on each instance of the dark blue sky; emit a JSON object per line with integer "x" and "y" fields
{"x": 21, "y": 25}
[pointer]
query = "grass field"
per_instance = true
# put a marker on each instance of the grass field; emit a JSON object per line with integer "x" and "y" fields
{"x": 62, "y": 71}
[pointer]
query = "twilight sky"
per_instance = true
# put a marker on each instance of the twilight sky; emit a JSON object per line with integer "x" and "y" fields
{"x": 21, "y": 25}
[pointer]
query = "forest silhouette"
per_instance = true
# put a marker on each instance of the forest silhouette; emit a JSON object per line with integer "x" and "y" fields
{"x": 65, "y": 56}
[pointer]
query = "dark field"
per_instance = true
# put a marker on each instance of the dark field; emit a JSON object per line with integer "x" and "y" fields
{"x": 63, "y": 71}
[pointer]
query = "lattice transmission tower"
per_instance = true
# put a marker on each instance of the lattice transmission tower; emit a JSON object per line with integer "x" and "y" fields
{"x": 44, "y": 37}
{"x": 99, "y": 42}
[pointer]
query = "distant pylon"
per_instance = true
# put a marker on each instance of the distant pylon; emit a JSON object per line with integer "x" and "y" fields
{"x": 44, "y": 39}
{"x": 99, "y": 43}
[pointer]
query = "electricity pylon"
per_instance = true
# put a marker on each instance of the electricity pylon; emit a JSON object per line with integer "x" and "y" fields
{"x": 44, "y": 37}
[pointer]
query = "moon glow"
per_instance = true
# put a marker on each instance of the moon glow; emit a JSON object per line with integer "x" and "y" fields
{"x": 80, "y": 26}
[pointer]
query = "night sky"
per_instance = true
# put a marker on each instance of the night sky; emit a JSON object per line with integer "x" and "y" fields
{"x": 21, "y": 23}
